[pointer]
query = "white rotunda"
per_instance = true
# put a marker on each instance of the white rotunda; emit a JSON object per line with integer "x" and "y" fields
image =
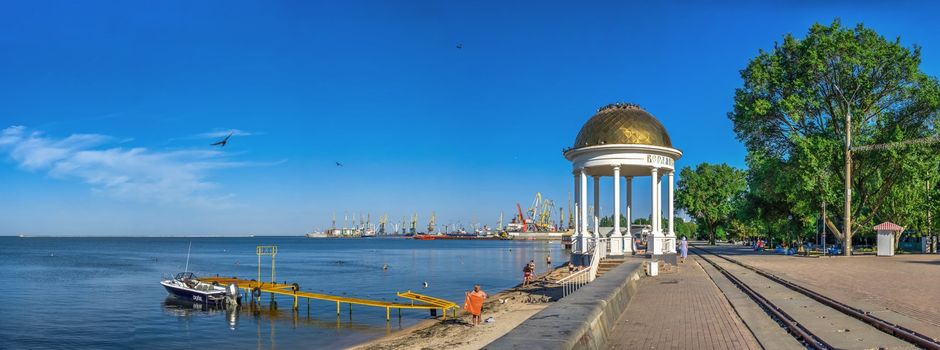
{"x": 622, "y": 140}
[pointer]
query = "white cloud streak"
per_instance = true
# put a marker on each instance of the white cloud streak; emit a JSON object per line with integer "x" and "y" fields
{"x": 177, "y": 176}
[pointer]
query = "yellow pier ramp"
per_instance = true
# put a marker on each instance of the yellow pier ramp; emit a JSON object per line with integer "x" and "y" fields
{"x": 257, "y": 288}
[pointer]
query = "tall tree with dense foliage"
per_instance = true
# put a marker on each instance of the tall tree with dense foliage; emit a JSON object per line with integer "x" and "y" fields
{"x": 708, "y": 194}
{"x": 800, "y": 100}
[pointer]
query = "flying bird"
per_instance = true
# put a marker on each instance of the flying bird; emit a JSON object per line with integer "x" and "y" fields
{"x": 223, "y": 142}
{"x": 459, "y": 45}
{"x": 339, "y": 164}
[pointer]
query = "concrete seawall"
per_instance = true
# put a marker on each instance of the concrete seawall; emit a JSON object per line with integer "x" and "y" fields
{"x": 581, "y": 320}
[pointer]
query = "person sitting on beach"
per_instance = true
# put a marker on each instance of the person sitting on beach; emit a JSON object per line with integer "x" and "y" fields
{"x": 570, "y": 268}
{"x": 474, "y": 304}
{"x": 532, "y": 266}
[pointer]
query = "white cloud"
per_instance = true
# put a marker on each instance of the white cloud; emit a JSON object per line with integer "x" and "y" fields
{"x": 178, "y": 176}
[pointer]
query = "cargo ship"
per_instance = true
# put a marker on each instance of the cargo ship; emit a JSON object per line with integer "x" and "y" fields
{"x": 465, "y": 236}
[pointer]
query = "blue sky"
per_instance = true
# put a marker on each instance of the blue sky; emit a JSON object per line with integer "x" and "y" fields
{"x": 108, "y": 106}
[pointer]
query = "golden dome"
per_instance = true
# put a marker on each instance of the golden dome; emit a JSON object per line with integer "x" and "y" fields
{"x": 622, "y": 123}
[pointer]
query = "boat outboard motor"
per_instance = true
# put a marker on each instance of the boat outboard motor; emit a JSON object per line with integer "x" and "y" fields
{"x": 231, "y": 294}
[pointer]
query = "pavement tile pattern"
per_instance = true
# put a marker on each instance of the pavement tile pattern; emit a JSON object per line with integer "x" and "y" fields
{"x": 681, "y": 310}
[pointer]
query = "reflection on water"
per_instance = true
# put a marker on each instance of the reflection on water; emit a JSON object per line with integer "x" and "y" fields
{"x": 186, "y": 310}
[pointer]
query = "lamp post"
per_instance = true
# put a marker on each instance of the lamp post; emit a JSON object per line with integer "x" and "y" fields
{"x": 824, "y": 179}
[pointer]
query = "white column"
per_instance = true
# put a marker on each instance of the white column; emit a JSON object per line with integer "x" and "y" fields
{"x": 671, "y": 233}
{"x": 577, "y": 215}
{"x": 616, "y": 239}
{"x": 597, "y": 206}
{"x": 655, "y": 243}
{"x": 582, "y": 212}
{"x": 628, "y": 242}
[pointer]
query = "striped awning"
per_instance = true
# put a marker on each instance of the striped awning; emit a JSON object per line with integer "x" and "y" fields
{"x": 888, "y": 226}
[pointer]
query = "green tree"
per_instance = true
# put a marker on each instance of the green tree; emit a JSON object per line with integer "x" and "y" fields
{"x": 608, "y": 221}
{"x": 686, "y": 229}
{"x": 708, "y": 194}
{"x": 799, "y": 100}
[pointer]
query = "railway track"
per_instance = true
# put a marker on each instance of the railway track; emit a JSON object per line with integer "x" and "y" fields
{"x": 801, "y": 330}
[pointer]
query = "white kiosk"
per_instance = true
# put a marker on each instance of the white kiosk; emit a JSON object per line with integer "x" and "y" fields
{"x": 887, "y": 233}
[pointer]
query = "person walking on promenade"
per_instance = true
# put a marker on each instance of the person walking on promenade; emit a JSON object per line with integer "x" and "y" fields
{"x": 684, "y": 249}
{"x": 474, "y": 304}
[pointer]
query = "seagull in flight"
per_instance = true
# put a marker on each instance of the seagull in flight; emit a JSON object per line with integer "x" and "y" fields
{"x": 223, "y": 142}
{"x": 339, "y": 164}
{"x": 459, "y": 45}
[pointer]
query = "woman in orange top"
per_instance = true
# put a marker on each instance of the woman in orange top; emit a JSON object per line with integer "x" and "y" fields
{"x": 474, "y": 304}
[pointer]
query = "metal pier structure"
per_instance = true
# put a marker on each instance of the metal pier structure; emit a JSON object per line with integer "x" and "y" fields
{"x": 255, "y": 288}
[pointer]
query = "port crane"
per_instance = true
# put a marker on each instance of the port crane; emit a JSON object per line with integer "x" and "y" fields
{"x": 383, "y": 220}
{"x": 545, "y": 217}
{"x": 521, "y": 219}
{"x": 533, "y": 211}
{"x": 414, "y": 224}
{"x": 432, "y": 222}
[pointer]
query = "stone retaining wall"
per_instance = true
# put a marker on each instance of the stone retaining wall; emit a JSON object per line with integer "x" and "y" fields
{"x": 583, "y": 319}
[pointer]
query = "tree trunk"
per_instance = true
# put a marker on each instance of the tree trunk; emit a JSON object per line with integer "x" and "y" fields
{"x": 711, "y": 235}
{"x": 835, "y": 230}
{"x": 897, "y": 240}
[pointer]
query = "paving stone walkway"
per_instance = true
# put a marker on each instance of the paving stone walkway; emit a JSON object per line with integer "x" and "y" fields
{"x": 902, "y": 289}
{"x": 682, "y": 310}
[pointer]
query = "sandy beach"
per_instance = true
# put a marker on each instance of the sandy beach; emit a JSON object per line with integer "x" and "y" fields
{"x": 508, "y": 309}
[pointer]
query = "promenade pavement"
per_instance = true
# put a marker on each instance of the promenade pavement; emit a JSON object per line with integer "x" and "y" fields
{"x": 681, "y": 310}
{"x": 903, "y": 289}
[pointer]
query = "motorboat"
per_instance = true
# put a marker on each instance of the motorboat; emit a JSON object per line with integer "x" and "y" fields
{"x": 187, "y": 286}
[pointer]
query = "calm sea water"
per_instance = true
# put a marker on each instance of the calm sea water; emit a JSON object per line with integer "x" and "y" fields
{"x": 98, "y": 293}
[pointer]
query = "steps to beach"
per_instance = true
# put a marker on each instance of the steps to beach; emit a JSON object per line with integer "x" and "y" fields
{"x": 607, "y": 265}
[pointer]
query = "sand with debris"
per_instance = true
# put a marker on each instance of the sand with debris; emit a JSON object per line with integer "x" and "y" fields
{"x": 508, "y": 309}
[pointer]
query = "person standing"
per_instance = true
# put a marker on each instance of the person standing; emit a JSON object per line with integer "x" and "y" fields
{"x": 526, "y": 274}
{"x": 548, "y": 259}
{"x": 474, "y": 304}
{"x": 684, "y": 248}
